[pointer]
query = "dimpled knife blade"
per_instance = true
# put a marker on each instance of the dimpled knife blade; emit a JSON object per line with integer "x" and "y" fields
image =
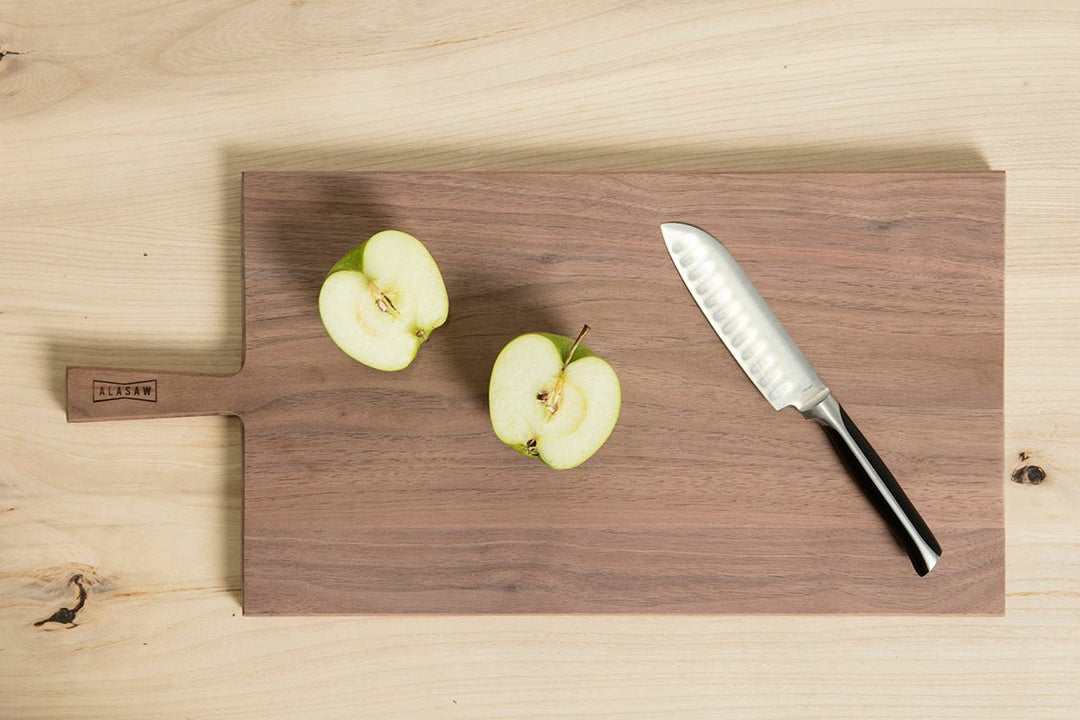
{"x": 779, "y": 370}
{"x": 742, "y": 319}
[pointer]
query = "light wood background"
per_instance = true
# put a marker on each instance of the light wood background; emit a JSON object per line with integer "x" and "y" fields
{"x": 124, "y": 127}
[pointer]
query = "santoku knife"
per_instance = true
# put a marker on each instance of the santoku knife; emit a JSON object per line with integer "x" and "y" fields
{"x": 772, "y": 360}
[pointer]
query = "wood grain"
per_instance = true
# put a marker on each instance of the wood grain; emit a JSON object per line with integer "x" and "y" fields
{"x": 125, "y": 129}
{"x": 369, "y": 492}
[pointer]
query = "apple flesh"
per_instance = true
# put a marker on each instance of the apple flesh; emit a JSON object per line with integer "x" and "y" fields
{"x": 382, "y": 301}
{"x": 552, "y": 398}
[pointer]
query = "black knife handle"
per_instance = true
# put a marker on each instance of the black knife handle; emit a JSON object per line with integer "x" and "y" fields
{"x": 878, "y": 484}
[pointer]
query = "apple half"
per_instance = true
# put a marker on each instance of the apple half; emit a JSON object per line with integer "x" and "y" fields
{"x": 552, "y": 398}
{"x": 382, "y": 301}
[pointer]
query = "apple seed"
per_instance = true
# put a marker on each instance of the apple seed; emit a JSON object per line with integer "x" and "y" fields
{"x": 385, "y": 304}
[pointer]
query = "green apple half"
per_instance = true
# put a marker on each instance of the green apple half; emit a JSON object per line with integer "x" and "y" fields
{"x": 382, "y": 300}
{"x": 552, "y": 398}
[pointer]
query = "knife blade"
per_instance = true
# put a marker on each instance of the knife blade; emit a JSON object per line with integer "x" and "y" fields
{"x": 780, "y": 371}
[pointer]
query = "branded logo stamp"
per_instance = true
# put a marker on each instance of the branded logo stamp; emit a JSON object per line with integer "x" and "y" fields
{"x": 144, "y": 390}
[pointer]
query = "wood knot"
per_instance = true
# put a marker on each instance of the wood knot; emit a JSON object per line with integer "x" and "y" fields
{"x": 1028, "y": 474}
{"x": 66, "y": 616}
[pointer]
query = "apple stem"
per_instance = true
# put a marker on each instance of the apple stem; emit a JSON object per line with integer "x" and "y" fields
{"x": 574, "y": 347}
{"x": 553, "y": 400}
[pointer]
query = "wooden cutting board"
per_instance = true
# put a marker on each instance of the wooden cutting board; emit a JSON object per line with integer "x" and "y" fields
{"x": 373, "y": 492}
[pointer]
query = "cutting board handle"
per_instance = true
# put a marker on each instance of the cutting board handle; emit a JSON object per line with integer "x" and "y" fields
{"x": 120, "y": 394}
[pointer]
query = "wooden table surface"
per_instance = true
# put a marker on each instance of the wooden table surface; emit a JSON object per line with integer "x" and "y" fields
{"x": 124, "y": 128}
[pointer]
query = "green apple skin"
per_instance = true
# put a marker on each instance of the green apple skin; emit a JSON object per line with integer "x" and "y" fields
{"x": 383, "y": 299}
{"x": 528, "y": 369}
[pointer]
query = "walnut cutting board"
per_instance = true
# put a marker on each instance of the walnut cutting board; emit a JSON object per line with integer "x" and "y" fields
{"x": 372, "y": 492}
